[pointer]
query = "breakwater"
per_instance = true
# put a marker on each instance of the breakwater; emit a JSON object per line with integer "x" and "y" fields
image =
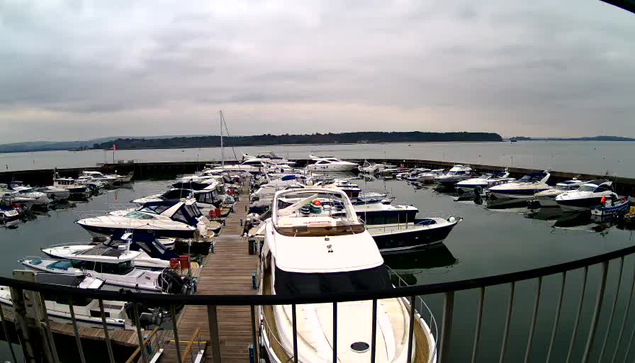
{"x": 160, "y": 170}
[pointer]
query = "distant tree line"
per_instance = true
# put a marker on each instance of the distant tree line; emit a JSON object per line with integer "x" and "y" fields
{"x": 317, "y": 138}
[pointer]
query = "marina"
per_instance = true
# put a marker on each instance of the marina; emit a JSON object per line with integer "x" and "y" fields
{"x": 516, "y": 238}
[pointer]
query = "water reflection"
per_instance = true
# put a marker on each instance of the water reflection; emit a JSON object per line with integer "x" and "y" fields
{"x": 408, "y": 264}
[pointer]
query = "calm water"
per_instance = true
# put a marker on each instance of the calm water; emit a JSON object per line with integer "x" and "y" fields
{"x": 582, "y": 157}
{"x": 485, "y": 243}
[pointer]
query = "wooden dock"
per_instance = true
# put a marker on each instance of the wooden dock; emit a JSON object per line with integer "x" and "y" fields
{"x": 227, "y": 271}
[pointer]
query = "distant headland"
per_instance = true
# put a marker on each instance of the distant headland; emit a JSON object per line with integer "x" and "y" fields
{"x": 182, "y": 142}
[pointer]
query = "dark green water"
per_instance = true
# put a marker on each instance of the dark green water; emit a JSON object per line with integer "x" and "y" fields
{"x": 485, "y": 243}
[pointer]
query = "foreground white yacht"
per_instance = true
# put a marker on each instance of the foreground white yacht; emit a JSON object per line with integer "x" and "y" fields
{"x": 329, "y": 164}
{"x": 524, "y": 189}
{"x": 587, "y": 197}
{"x": 312, "y": 250}
{"x": 547, "y": 198}
{"x": 478, "y": 185}
{"x": 163, "y": 219}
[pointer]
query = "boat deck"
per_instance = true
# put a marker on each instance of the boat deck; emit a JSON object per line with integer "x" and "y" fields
{"x": 226, "y": 271}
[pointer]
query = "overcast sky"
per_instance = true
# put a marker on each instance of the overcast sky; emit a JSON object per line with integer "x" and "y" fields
{"x": 74, "y": 70}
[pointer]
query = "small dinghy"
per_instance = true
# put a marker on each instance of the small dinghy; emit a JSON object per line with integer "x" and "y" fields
{"x": 611, "y": 207}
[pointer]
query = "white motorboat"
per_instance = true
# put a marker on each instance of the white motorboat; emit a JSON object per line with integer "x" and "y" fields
{"x": 481, "y": 184}
{"x": 413, "y": 175}
{"x": 162, "y": 219}
{"x": 329, "y": 164}
{"x": 143, "y": 260}
{"x": 55, "y": 194}
{"x": 429, "y": 177}
{"x": 91, "y": 175}
{"x": 87, "y": 311}
{"x": 39, "y": 198}
{"x": 206, "y": 199}
{"x": 588, "y": 196}
{"x": 77, "y": 191}
{"x": 270, "y": 158}
{"x": 456, "y": 174}
{"x": 523, "y": 189}
{"x": 373, "y": 168}
{"x": 11, "y": 197}
{"x": 395, "y": 228}
{"x": 317, "y": 250}
{"x": 115, "y": 266}
{"x": 547, "y": 198}
{"x": 122, "y": 179}
{"x": 8, "y": 214}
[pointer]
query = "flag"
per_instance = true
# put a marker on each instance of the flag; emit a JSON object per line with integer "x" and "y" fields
{"x": 114, "y": 147}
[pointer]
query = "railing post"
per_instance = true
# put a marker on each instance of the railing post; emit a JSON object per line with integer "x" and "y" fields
{"x": 508, "y": 320}
{"x": 142, "y": 348}
{"x": 78, "y": 338}
{"x": 175, "y": 333}
{"x": 446, "y": 327}
{"x": 628, "y": 309}
{"x": 6, "y": 334}
{"x": 479, "y": 316}
{"x": 22, "y": 328}
{"x": 577, "y": 318}
{"x": 212, "y": 318}
{"x": 596, "y": 312}
{"x": 554, "y": 331}
{"x": 373, "y": 339}
{"x": 411, "y": 326}
{"x": 615, "y": 298}
{"x": 533, "y": 320}
{"x": 253, "y": 333}
{"x": 335, "y": 332}
{"x": 294, "y": 318}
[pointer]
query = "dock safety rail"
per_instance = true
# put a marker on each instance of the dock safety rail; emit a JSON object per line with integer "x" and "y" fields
{"x": 412, "y": 293}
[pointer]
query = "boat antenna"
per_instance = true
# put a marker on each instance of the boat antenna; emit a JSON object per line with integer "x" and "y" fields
{"x": 224, "y": 122}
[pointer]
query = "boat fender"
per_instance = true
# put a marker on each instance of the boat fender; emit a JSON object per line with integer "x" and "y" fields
{"x": 603, "y": 200}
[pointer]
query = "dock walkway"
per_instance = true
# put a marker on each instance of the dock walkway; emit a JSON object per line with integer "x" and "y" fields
{"x": 227, "y": 271}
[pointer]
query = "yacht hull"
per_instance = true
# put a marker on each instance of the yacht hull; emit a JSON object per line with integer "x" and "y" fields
{"x": 99, "y": 231}
{"x": 579, "y": 204}
{"x": 393, "y": 238}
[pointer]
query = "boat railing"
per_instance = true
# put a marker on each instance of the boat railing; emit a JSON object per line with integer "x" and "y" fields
{"x": 421, "y": 308}
{"x": 578, "y": 336}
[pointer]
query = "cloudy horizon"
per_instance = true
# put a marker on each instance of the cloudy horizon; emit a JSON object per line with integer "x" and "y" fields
{"x": 75, "y": 70}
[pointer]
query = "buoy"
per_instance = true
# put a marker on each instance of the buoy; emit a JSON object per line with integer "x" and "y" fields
{"x": 603, "y": 200}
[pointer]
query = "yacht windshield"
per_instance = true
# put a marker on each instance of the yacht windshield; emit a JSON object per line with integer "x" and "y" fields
{"x": 532, "y": 178}
{"x": 309, "y": 212}
{"x": 587, "y": 188}
{"x": 139, "y": 215}
{"x": 295, "y": 283}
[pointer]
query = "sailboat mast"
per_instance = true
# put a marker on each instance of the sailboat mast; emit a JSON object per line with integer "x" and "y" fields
{"x": 222, "y": 150}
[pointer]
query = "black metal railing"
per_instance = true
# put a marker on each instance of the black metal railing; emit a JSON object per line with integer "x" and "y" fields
{"x": 413, "y": 294}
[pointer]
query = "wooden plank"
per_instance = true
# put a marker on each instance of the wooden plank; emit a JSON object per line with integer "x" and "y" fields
{"x": 227, "y": 271}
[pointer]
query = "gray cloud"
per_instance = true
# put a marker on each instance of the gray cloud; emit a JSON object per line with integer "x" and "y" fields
{"x": 79, "y": 69}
